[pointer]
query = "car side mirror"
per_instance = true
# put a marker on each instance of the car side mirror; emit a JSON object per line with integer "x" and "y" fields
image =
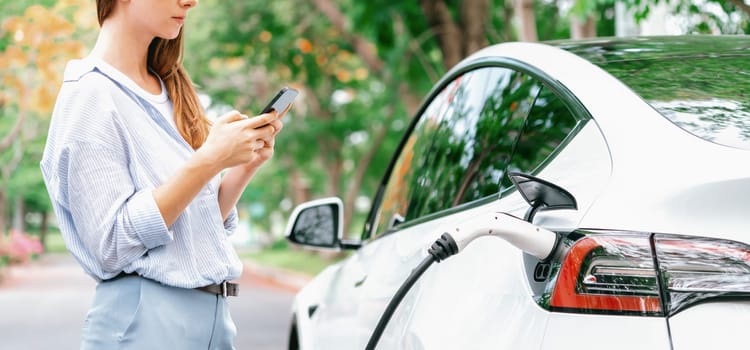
{"x": 541, "y": 194}
{"x": 319, "y": 224}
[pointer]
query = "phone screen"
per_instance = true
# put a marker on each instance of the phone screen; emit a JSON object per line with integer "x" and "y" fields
{"x": 281, "y": 101}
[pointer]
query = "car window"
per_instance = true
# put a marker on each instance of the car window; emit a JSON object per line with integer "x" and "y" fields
{"x": 460, "y": 146}
{"x": 399, "y": 190}
{"x": 548, "y": 124}
{"x": 707, "y": 97}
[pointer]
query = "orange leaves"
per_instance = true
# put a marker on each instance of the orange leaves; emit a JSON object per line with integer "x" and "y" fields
{"x": 304, "y": 45}
{"x": 37, "y": 25}
{"x": 343, "y": 75}
{"x": 331, "y": 59}
{"x": 12, "y": 83}
{"x": 265, "y": 36}
{"x": 13, "y": 55}
{"x": 42, "y": 99}
{"x": 361, "y": 73}
{"x": 43, "y": 40}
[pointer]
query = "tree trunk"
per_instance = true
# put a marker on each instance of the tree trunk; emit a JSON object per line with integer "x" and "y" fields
{"x": 359, "y": 175}
{"x": 18, "y": 214}
{"x": 15, "y": 131}
{"x": 508, "y": 20}
{"x": 445, "y": 29}
{"x": 362, "y": 47}
{"x": 335, "y": 168}
{"x": 474, "y": 21}
{"x": 582, "y": 29}
{"x": 741, "y": 5}
{"x": 457, "y": 40}
{"x": 524, "y": 10}
{"x": 300, "y": 187}
{"x": 43, "y": 229}
{"x": 3, "y": 211}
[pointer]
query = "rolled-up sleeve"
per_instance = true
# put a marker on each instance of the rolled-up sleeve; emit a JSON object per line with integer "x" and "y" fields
{"x": 116, "y": 223}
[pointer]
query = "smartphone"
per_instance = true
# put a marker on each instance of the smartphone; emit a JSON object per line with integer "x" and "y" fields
{"x": 281, "y": 101}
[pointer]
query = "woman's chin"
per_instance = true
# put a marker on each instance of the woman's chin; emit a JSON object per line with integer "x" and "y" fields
{"x": 169, "y": 35}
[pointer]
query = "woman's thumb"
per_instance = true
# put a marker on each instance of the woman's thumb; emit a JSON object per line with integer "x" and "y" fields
{"x": 230, "y": 117}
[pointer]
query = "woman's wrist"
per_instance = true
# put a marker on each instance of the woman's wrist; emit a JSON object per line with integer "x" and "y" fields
{"x": 202, "y": 160}
{"x": 247, "y": 169}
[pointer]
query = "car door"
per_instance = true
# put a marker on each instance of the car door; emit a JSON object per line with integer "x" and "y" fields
{"x": 487, "y": 297}
{"x": 449, "y": 164}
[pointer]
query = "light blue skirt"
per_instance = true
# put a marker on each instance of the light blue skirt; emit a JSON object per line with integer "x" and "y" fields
{"x": 136, "y": 313}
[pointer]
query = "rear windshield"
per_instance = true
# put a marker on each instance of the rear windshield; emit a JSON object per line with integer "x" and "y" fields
{"x": 707, "y": 96}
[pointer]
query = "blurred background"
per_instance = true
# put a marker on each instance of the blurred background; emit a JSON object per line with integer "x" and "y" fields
{"x": 362, "y": 67}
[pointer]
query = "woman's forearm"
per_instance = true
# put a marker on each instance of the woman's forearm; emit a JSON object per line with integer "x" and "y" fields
{"x": 175, "y": 194}
{"x": 232, "y": 185}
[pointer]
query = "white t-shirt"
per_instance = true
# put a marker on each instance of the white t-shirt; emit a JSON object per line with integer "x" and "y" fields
{"x": 161, "y": 102}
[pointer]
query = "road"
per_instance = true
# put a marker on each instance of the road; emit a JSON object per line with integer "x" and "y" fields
{"x": 43, "y": 304}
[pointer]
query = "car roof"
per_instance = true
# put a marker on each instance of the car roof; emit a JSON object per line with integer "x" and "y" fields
{"x": 601, "y": 51}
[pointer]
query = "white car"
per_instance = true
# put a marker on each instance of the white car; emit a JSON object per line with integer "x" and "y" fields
{"x": 628, "y": 156}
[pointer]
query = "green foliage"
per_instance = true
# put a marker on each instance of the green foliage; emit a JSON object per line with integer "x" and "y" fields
{"x": 550, "y": 25}
{"x": 54, "y": 243}
{"x": 241, "y": 52}
{"x": 17, "y": 7}
{"x": 284, "y": 257}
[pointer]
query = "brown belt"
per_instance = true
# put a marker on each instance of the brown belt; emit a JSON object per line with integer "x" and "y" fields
{"x": 225, "y": 289}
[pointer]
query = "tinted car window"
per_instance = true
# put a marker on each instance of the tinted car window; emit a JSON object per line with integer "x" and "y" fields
{"x": 460, "y": 147}
{"x": 400, "y": 188}
{"x": 707, "y": 97}
{"x": 548, "y": 124}
{"x": 473, "y": 143}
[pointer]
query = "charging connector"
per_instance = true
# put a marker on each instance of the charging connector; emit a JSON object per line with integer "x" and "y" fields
{"x": 528, "y": 237}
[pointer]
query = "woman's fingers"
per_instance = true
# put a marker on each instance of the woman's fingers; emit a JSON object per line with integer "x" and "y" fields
{"x": 260, "y": 120}
{"x": 229, "y": 117}
{"x": 258, "y": 144}
{"x": 277, "y": 126}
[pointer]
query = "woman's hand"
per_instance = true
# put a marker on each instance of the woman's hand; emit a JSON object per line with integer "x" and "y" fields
{"x": 235, "y": 139}
{"x": 266, "y": 151}
{"x": 236, "y": 179}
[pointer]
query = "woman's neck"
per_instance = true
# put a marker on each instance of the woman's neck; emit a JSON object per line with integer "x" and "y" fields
{"x": 122, "y": 48}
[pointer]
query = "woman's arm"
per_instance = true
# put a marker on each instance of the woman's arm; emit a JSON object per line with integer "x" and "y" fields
{"x": 232, "y": 185}
{"x": 236, "y": 179}
{"x": 233, "y": 140}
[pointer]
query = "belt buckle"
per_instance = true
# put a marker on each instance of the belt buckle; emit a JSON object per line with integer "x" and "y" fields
{"x": 224, "y": 289}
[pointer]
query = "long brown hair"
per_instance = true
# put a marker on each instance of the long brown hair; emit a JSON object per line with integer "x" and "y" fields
{"x": 165, "y": 58}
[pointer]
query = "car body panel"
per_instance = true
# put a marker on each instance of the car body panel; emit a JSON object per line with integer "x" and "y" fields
{"x": 603, "y": 51}
{"x": 728, "y": 324}
{"x": 488, "y": 309}
{"x": 592, "y": 332}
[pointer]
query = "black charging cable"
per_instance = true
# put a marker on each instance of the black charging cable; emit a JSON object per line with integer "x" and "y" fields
{"x": 442, "y": 249}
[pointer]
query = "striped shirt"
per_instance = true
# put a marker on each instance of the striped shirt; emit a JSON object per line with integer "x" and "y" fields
{"x": 108, "y": 148}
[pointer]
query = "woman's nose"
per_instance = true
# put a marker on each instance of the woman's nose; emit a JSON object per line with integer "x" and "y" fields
{"x": 189, "y": 3}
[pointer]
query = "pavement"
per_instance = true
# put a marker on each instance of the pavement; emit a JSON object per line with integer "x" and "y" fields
{"x": 290, "y": 281}
{"x": 43, "y": 303}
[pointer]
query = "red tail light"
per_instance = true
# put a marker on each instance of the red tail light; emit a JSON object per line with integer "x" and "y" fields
{"x": 622, "y": 274}
{"x": 697, "y": 269}
{"x": 610, "y": 274}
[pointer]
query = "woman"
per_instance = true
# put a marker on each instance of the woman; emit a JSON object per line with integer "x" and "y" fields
{"x": 133, "y": 167}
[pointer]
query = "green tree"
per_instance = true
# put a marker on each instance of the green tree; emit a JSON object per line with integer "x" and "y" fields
{"x": 34, "y": 46}
{"x": 363, "y": 68}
